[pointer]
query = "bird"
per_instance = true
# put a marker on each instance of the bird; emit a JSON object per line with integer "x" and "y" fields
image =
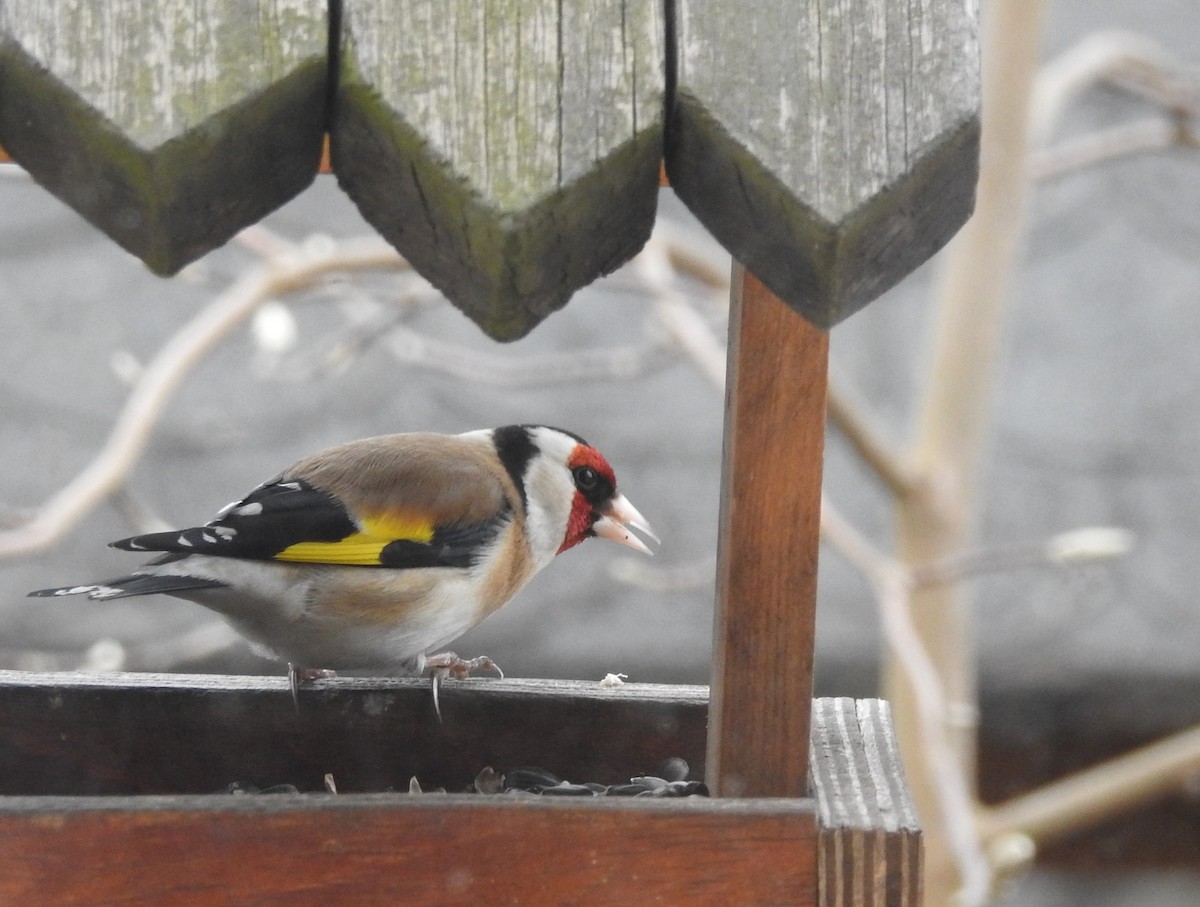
{"x": 373, "y": 555}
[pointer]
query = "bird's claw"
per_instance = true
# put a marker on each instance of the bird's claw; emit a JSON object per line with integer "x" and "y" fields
{"x": 448, "y": 664}
{"x": 298, "y": 676}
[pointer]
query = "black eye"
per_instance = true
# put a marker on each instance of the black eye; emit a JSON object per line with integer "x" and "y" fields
{"x": 586, "y": 478}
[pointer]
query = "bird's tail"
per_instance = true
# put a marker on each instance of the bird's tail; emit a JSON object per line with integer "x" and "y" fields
{"x": 134, "y": 584}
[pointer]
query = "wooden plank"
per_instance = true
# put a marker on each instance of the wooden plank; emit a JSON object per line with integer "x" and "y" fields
{"x": 869, "y": 846}
{"x": 508, "y": 148}
{"x": 169, "y": 126}
{"x": 767, "y": 553}
{"x": 830, "y": 145}
{"x": 372, "y": 849}
{"x": 167, "y": 734}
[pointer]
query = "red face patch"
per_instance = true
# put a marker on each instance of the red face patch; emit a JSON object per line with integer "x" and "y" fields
{"x": 579, "y": 523}
{"x": 583, "y": 455}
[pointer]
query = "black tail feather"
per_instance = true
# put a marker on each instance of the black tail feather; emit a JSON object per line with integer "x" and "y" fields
{"x": 129, "y": 586}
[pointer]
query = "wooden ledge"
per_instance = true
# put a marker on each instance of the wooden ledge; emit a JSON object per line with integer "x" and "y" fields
{"x": 136, "y": 734}
{"x": 869, "y": 845}
{"x": 152, "y": 751}
{"x": 379, "y": 848}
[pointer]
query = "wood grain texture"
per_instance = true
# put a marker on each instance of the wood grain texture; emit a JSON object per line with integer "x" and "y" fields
{"x": 375, "y": 849}
{"x": 869, "y": 851}
{"x": 508, "y": 148}
{"x": 169, "y": 126}
{"x": 830, "y": 145}
{"x": 170, "y": 734}
{"x": 855, "y": 842}
{"x": 767, "y": 553}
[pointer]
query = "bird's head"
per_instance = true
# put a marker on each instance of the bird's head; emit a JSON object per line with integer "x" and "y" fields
{"x": 571, "y": 493}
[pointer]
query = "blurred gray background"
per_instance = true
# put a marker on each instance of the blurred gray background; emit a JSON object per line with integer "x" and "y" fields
{"x": 1097, "y": 420}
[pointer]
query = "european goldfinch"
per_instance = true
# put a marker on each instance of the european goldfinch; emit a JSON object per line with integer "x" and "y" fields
{"x": 371, "y": 555}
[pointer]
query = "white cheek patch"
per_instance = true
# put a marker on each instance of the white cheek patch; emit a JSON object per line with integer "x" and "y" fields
{"x": 550, "y": 491}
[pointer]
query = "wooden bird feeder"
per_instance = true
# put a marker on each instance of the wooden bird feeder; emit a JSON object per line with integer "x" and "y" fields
{"x": 510, "y": 149}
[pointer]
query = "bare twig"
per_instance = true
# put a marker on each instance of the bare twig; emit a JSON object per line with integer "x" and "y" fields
{"x": 413, "y": 348}
{"x": 935, "y": 516}
{"x": 136, "y": 511}
{"x": 1110, "y": 144}
{"x": 848, "y": 415}
{"x": 1087, "y": 545}
{"x": 1098, "y": 793}
{"x": 892, "y": 583}
{"x": 265, "y": 242}
{"x": 1133, "y": 62}
{"x": 683, "y": 324}
{"x": 698, "y": 574}
{"x": 174, "y": 360}
{"x": 290, "y": 267}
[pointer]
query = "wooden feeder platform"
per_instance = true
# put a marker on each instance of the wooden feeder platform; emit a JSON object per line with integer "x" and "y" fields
{"x": 510, "y": 150}
{"x": 112, "y": 783}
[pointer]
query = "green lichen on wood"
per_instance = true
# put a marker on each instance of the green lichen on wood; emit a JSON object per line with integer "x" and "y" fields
{"x": 825, "y": 270}
{"x": 508, "y": 148}
{"x": 168, "y": 126}
{"x": 832, "y": 147}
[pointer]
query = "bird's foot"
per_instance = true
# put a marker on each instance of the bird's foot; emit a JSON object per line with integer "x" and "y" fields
{"x": 298, "y": 676}
{"x": 448, "y": 664}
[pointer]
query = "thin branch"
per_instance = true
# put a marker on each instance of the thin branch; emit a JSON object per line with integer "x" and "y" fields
{"x": 1087, "y": 545}
{"x": 686, "y": 261}
{"x": 413, "y": 348}
{"x": 685, "y": 577}
{"x": 848, "y": 415}
{"x": 265, "y": 242}
{"x": 682, "y": 322}
{"x": 1131, "y": 61}
{"x": 158, "y": 382}
{"x": 1106, "y": 145}
{"x": 1095, "y": 794}
{"x": 680, "y": 246}
{"x": 935, "y": 518}
{"x": 893, "y": 585}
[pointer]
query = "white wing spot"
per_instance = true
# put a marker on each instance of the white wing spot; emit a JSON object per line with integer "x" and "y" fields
{"x": 183, "y": 540}
{"x": 290, "y": 486}
{"x": 208, "y": 537}
{"x": 249, "y": 509}
{"x": 225, "y": 532}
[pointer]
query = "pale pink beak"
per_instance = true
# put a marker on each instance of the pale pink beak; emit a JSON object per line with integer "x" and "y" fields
{"x": 617, "y": 517}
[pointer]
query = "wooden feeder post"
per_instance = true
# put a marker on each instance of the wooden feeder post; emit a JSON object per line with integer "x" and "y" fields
{"x": 831, "y": 160}
{"x": 767, "y": 554}
{"x": 510, "y": 149}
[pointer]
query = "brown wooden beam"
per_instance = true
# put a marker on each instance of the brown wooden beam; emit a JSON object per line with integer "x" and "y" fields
{"x": 767, "y": 553}
{"x": 100, "y": 734}
{"x": 394, "y": 848}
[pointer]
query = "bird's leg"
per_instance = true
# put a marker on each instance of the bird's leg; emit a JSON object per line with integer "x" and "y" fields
{"x": 297, "y": 676}
{"x": 448, "y": 664}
